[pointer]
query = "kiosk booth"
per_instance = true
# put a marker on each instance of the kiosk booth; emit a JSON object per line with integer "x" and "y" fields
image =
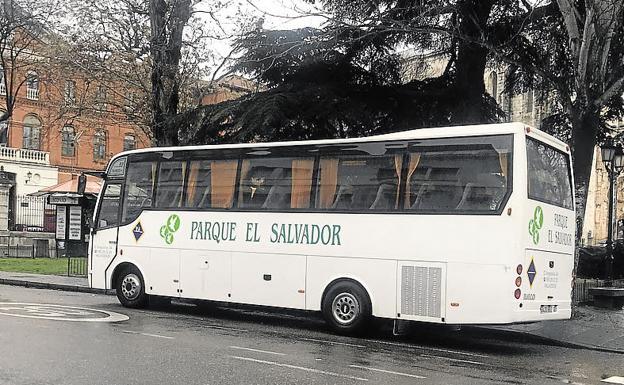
{"x": 74, "y": 210}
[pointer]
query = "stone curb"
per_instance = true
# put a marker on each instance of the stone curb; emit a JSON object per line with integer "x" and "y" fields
{"x": 548, "y": 340}
{"x": 55, "y": 286}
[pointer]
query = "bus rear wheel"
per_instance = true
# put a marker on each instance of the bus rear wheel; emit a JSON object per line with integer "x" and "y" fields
{"x": 347, "y": 308}
{"x": 131, "y": 288}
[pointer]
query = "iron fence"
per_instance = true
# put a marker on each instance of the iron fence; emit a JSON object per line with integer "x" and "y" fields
{"x": 77, "y": 266}
{"x": 14, "y": 247}
{"x": 580, "y": 294}
{"x": 33, "y": 214}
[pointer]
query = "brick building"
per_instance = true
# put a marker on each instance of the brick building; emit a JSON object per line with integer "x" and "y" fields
{"x": 64, "y": 121}
{"x": 227, "y": 88}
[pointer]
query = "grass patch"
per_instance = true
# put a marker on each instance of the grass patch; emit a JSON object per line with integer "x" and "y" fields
{"x": 54, "y": 266}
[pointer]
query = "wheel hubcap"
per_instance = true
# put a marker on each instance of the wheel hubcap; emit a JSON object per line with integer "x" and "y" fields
{"x": 346, "y": 308}
{"x": 131, "y": 286}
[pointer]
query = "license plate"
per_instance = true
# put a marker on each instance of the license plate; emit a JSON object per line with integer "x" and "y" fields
{"x": 548, "y": 309}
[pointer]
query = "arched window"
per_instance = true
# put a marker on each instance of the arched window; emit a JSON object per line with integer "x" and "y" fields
{"x": 31, "y": 134}
{"x": 68, "y": 138}
{"x": 99, "y": 145}
{"x": 100, "y": 98}
{"x": 528, "y": 102}
{"x": 70, "y": 92}
{"x": 494, "y": 85}
{"x": 129, "y": 142}
{"x": 4, "y": 130}
{"x": 2, "y": 84}
{"x": 32, "y": 85}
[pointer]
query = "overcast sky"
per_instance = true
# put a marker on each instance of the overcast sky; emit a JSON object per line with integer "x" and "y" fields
{"x": 277, "y": 14}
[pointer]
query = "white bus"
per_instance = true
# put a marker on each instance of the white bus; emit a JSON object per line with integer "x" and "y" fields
{"x": 456, "y": 225}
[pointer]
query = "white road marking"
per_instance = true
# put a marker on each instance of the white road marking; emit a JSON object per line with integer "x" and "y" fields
{"x": 431, "y": 348}
{"x": 257, "y": 350}
{"x": 453, "y": 359}
{"x": 147, "y": 334}
{"x": 58, "y": 312}
{"x": 386, "y": 371}
{"x": 332, "y": 342}
{"x": 311, "y": 370}
{"x": 614, "y": 380}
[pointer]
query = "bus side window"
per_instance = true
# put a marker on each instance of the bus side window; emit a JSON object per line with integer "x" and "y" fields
{"x": 266, "y": 183}
{"x": 458, "y": 175}
{"x": 109, "y": 206}
{"x": 170, "y": 184}
{"x": 138, "y": 190}
{"x": 358, "y": 183}
{"x": 199, "y": 186}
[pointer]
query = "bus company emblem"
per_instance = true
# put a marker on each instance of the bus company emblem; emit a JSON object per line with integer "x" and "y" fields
{"x": 167, "y": 230}
{"x": 531, "y": 272}
{"x": 535, "y": 224}
{"x": 137, "y": 231}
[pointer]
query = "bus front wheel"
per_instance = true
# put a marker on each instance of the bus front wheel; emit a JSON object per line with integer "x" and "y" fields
{"x": 130, "y": 288}
{"x": 347, "y": 308}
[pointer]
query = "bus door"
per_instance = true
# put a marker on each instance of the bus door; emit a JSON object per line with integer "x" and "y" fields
{"x": 104, "y": 235}
{"x": 150, "y": 237}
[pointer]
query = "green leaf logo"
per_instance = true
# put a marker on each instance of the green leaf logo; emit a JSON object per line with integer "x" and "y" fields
{"x": 173, "y": 223}
{"x": 536, "y": 224}
{"x": 171, "y": 226}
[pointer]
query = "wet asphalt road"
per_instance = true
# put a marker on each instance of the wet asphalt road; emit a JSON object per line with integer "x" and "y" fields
{"x": 185, "y": 344}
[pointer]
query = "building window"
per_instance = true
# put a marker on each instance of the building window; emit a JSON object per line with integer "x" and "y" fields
{"x": 528, "y": 102}
{"x": 31, "y": 133}
{"x": 99, "y": 145}
{"x": 32, "y": 86}
{"x": 2, "y": 84}
{"x": 129, "y": 142}
{"x": 130, "y": 102}
{"x": 4, "y": 129}
{"x": 70, "y": 92}
{"x": 100, "y": 98}
{"x": 494, "y": 85}
{"x": 68, "y": 137}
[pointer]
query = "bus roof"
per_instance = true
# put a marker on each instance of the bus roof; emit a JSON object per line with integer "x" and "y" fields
{"x": 421, "y": 133}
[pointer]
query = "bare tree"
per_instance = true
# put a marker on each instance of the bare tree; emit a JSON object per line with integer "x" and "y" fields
{"x": 598, "y": 74}
{"x": 153, "y": 52}
{"x": 24, "y": 28}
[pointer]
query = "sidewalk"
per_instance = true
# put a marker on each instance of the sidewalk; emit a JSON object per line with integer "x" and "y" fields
{"x": 590, "y": 327}
{"x": 55, "y": 282}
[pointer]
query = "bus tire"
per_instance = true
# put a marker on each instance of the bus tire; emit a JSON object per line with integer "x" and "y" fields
{"x": 130, "y": 288}
{"x": 346, "y": 308}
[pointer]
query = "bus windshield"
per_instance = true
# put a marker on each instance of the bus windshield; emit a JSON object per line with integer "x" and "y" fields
{"x": 549, "y": 175}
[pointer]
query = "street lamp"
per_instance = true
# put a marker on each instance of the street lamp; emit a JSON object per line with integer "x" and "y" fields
{"x": 613, "y": 159}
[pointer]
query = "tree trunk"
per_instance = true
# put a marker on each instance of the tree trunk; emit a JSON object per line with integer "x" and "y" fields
{"x": 167, "y": 21}
{"x": 468, "y": 84}
{"x": 585, "y": 127}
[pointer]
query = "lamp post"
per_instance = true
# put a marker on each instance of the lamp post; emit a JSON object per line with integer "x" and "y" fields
{"x": 613, "y": 159}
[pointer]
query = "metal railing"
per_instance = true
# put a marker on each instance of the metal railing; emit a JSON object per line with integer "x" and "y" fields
{"x": 33, "y": 214}
{"x": 12, "y": 247}
{"x": 77, "y": 266}
{"x": 581, "y": 295}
